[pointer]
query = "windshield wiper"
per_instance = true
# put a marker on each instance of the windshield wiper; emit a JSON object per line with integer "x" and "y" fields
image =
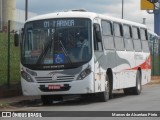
{"x": 43, "y": 54}
{"x": 64, "y": 51}
{"x": 46, "y": 48}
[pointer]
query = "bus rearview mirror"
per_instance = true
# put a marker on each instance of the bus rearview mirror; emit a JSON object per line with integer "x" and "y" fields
{"x": 16, "y": 39}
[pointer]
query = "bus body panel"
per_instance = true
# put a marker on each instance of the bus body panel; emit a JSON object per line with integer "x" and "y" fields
{"x": 60, "y": 78}
{"x": 76, "y": 87}
{"x": 126, "y": 76}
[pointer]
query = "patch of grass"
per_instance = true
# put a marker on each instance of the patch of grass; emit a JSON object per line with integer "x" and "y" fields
{"x": 4, "y": 105}
{"x": 14, "y": 60}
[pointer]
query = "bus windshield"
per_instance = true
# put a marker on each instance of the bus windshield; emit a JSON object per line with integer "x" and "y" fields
{"x": 57, "y": 42}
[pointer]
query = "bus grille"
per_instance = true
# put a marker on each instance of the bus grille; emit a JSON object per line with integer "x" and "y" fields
{"x": 65, "y": 77}
{"x": 43, "y": 79}
{"x": 56, "y": 79}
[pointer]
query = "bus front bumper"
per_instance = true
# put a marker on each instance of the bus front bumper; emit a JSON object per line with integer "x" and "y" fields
{"x": 74, "y": 87}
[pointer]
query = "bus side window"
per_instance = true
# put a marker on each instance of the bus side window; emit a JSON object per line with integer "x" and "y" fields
{"x": 118, "y": 36}
{"x": 97, "y": 38}
{"x": 107, "y": 35}
{"x": 144, "y": 38}
{"x": 128, "y": 37}
{"x": 136, "y": 39}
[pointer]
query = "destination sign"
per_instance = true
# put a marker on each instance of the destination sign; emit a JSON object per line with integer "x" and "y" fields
{"x": 59, "y": 23}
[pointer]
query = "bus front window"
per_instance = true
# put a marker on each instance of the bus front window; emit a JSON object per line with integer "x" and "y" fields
{"x": 57, "y": 41}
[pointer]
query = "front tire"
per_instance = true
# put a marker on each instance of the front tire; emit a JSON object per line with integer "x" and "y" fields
{"x": 47, "y": 99}
{"x": 104, "y": 96}
{"x": 57, "y": 98}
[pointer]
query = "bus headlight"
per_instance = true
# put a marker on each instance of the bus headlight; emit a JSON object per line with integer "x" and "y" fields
{"x": 84, "y": 73}
{"x": 26, "y": 76}
{"x": 31, "y": 72}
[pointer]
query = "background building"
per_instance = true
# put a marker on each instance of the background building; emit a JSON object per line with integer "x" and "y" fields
{"x": 8, "y": 11}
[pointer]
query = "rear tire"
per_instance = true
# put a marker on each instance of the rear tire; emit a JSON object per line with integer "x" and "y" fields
{"x": 137, "y": 89}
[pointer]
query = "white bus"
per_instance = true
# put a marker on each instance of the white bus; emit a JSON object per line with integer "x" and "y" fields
{"x": 83, "y": 53}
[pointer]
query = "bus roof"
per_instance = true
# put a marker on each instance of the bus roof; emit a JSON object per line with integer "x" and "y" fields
{"x": 83, "y": 14}
{"x": 65, "y": 14}
{"x": 151, "y": 32}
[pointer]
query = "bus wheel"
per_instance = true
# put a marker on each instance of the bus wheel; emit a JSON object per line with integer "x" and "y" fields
{"x": 104, "y": 96}
{"x": 137, "y": 89}
{"x": 47, "y": 99}
{"x": 57, "y": 98}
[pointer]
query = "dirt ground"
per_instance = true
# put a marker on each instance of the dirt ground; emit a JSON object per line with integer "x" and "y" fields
{"x": 155, "y": 80}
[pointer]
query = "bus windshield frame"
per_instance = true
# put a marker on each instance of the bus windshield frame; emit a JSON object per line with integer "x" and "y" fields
{"x": 59, "y": 43}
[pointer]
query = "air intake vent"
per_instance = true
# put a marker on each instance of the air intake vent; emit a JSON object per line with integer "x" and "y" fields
{"x": 79, "y": 10}
{"x": 65, "y": 78}
{"x": 43, "y": 79}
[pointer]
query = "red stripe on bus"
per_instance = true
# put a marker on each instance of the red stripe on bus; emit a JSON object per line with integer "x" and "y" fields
{"x": 145, "y": 65}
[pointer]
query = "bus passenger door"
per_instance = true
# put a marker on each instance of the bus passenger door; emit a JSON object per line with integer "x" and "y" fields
{"x": 98, "y": 54}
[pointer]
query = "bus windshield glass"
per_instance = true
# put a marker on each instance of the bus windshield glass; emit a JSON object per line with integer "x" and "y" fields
{"x": 57, "y": 42}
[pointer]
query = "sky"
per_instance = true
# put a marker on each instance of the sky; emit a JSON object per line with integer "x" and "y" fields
{"x": 113, "y": 8}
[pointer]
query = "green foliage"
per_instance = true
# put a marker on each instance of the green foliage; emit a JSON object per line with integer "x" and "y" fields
{"x": 14, "y": 60}
{"x": 156, "y": 65}
{"x": 4, "y": 105}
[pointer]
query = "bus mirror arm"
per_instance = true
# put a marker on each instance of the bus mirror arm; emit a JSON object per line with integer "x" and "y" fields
{"x": 98, "y": 32}
{"x": 16, "y": 39}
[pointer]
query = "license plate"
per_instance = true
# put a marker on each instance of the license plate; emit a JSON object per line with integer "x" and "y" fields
{"x": 54, "y": 87}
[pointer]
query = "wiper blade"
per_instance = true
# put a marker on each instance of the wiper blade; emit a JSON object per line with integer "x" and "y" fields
{"x": 43, "y": 54}
{"x": 49, "y": 43}
{"x": 65, "y": 51}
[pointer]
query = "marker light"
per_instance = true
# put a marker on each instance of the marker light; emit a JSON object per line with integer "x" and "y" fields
{"x": 31, "y": 72}
{"x": 26, "y": 76}
{"x": 84, "y": 73}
